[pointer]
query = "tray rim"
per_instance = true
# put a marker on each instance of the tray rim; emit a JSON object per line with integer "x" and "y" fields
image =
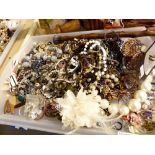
{"x": 11, "y": 42}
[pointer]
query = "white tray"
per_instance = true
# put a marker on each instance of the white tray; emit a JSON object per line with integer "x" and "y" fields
{"x": 11, "y": 42}
{"x": 45, "y": 124}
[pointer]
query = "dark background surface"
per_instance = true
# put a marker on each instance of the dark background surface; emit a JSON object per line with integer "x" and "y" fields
{"x": 8, "y": 130}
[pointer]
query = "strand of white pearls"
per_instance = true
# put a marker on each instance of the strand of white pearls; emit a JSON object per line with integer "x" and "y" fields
{"x": 104, "y": 53}
{"x": 94, "y": 44}
{"x": 112, "y": 76}
{"x": 134, "y": 104}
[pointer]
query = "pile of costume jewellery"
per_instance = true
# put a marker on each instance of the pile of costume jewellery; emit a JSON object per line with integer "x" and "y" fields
{"x": 86, "y": 83}
{"x": 7, "y": 29}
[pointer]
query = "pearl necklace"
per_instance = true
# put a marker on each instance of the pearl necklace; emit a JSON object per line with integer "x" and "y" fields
{"x": 102, "y": 58}
{"x": 104, "y": 53}
{"x": 134, "y": 104}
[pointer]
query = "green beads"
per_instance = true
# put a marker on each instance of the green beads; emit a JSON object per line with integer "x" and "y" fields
{"x": 21, "y": 98}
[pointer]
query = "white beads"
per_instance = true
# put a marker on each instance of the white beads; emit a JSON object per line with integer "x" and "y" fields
{"x": 103, "y": 73}
{"x": 98, "y": 74}
{"x": 112, "y": 85}
{"x": 143, "y": 49}
{"x": 84, "y": 52}
{"x": 107, "y": 76}
{"x": 91, "y": 48}
{"x": 116, "y": 79}
{"x": 95, "y": 83}
{"x": 105, "y": 69}
{"x": 104, "y": 104}
{"x": 134, "y": 105}
{"x": 141, "y": 94}
{"x": 113, "y": 109}
{"x": 104, "y": 58}
{"x": 97, "y": 43}
{"x": 104, "y": 62}
{"x": 98, "y": 78}
{"x": 146, "y": 86}
{"x": 92, "y": 71}
{"x": 104, "y": 52}
{"x": 123, "y": 110}
{"x": 94, "y": 44}
{"x": 105, "y": 66}
{"x": 112, "y": 76}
